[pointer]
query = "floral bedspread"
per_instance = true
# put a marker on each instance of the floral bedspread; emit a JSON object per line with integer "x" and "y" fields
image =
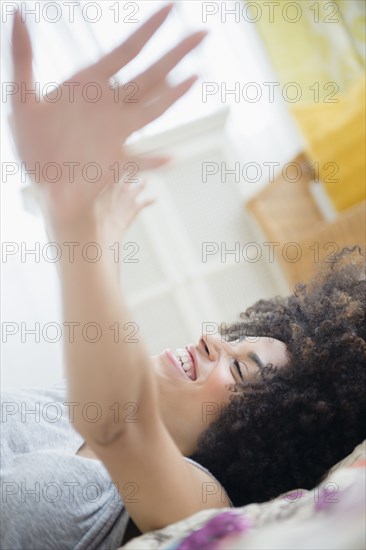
{"x": 331, "y": 516}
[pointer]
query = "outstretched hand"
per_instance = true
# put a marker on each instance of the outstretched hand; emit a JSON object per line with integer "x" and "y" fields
{"x": 78, "y": 143}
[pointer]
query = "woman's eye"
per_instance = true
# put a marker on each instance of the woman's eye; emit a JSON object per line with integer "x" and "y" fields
{"x": 237, "y": 366}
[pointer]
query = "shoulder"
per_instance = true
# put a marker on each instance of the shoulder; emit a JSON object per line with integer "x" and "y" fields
{"x": 212, "y": 492}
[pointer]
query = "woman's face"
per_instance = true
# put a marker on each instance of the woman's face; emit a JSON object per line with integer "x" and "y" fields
{"x": 194, "y": 382}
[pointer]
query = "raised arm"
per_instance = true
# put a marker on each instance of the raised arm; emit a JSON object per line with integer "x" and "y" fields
{"x": 79, "y": 132}
{"x": 102, "y": 365}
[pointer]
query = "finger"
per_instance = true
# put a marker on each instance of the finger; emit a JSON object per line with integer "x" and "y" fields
{"x": 21, "y": 53}
{"x": 137, "y": 188}
{"x": 128, "y": 50}
{"x": 150, "y": 78}
{"x": 129, "y": 188}
{"x": 145, "y": 203}
{"x": 156, "y": 109}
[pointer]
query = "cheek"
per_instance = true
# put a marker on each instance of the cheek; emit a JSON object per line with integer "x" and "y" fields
{"x": 216, "y": 389}
{"x": 214, "y": 398}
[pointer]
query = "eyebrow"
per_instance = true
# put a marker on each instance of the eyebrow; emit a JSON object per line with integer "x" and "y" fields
{"x": 254, "y": 357}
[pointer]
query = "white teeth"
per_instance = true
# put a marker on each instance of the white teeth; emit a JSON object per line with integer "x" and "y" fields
{"x": 186, "y": 362}
{"x": 183, "y": 355}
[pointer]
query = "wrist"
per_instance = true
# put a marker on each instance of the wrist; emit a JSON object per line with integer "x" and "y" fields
{"x": 83, "y": 231}
{"x": 90, "y": 239}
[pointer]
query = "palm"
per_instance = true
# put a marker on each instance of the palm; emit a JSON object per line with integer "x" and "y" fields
{"x": 78, "y": 143}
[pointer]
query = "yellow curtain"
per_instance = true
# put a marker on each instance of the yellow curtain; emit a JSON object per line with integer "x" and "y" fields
{"x": 319, "y": 47}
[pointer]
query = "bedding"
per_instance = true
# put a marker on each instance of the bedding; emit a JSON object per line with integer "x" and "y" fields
{"x": 331, "y": 516}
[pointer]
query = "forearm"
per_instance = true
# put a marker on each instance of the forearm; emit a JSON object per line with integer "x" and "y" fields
{"x": 109, "y": 371}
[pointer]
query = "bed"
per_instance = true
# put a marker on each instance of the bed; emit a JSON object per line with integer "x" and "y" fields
{"x": 331, "y": 516}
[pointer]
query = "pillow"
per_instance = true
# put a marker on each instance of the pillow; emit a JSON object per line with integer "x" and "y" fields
{"x": 300, "y": 518}
{"x": 358, "y": 455}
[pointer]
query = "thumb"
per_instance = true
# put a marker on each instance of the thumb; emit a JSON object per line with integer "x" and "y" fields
{"x": 145, "y": 202}
{"x": 21, "y": 55}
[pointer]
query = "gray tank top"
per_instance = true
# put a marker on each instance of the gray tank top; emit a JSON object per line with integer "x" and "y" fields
{"x": 52, "y": 498}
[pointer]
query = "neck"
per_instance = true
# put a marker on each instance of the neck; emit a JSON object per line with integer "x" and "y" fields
{"x": 182, "y": 433}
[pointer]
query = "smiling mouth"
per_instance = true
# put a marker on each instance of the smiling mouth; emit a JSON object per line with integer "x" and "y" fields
{"x": 187, "y": 362}
{"x": 183, "y": 361}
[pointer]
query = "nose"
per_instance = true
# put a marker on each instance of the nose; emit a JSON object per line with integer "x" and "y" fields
{"x": 212, "y": 345}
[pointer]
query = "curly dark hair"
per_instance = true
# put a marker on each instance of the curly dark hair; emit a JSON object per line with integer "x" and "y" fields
{"x": 285, "y": 429}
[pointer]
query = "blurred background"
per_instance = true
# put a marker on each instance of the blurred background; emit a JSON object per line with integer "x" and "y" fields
{"x": 267, "y": 178}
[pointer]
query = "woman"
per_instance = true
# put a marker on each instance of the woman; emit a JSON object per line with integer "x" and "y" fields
{"x": 264, "y": 414}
